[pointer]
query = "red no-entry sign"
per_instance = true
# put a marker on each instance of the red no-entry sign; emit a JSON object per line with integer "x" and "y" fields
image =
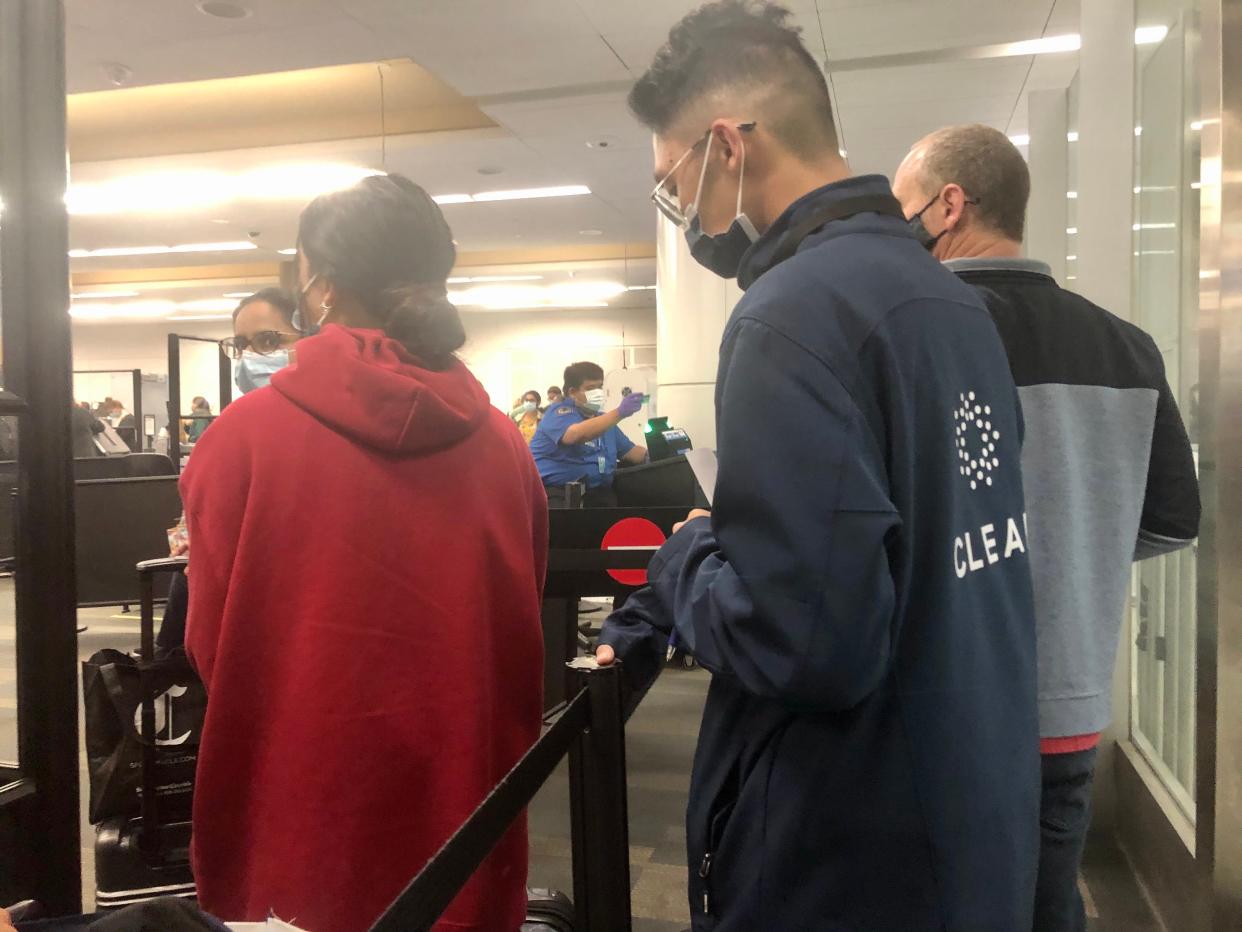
{"x": 632, "y": 534}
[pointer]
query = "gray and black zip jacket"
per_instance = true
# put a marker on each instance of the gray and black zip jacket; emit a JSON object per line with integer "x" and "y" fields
{"x": 1108, "y": 472}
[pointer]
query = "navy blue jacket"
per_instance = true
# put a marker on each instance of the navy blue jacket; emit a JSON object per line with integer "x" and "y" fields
{"x": 868, "y": 758}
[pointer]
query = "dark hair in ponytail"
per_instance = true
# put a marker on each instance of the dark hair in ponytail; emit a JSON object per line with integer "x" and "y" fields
{"x": 386, "y": 242}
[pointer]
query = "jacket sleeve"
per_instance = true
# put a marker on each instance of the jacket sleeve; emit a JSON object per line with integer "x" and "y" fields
{"x": 638, "y": 632}
{"x": 788, "y": 590}
{"x": 1171, "y": 506}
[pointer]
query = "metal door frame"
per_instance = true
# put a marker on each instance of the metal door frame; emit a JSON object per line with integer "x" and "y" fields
{"x": 174, "y": 390}
{"x": 42, "y": 800}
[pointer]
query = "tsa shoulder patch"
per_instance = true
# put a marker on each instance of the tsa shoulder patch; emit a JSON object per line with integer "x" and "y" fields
{"x": 565, "y": 410}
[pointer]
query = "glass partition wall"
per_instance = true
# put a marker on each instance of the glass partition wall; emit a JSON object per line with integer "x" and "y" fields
{"x": 1166, "y": 305}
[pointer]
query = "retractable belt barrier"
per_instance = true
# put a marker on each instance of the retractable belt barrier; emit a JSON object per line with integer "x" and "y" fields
{"x": 591, "y": 729}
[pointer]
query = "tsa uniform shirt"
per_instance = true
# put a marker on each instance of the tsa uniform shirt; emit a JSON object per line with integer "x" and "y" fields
{"x": 561, "y": 464}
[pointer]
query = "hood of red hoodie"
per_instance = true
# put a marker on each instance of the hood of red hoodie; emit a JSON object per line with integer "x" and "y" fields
{"x": 368, "y": 387}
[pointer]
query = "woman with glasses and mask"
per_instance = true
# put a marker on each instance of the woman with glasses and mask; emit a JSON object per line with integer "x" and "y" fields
{"x": 369, "y": 546}
{"x": 263, "y": 337}
{"x": 261, "y": 345}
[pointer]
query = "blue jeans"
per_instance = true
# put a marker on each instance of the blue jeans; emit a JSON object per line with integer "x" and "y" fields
{"x": 1064, "y": 817}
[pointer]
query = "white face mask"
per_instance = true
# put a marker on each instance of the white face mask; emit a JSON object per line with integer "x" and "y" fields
{"x": 529, "y": 407}
{"x": 595, "y": 399}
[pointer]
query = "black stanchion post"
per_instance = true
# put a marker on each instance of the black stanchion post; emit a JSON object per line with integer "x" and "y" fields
{"x": 140, "y": 430}
{"x": 148, "y": 839}
{"x": 174, "y": 400}
{"x": 598, "y": 806}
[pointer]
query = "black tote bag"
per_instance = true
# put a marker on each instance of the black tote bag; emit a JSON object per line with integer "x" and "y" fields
{"x": 112, "y": 689}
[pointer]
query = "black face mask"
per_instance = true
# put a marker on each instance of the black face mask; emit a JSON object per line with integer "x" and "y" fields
{"x": 723, "y": 252}
{"x": 920, "y": 231}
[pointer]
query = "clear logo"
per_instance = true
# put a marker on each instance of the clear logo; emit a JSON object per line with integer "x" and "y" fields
{"x": 976, "y": 440}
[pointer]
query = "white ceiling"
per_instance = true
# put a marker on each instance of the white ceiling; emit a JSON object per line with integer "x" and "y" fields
{"x": 553, "y": 74}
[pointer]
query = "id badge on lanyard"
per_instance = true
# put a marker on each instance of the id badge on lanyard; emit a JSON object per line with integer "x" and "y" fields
{"x": 600, "y": 458}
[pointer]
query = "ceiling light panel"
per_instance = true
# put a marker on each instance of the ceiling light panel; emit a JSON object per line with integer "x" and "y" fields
{"x": 163, "y": 192}
{"x": 116, "y": 252}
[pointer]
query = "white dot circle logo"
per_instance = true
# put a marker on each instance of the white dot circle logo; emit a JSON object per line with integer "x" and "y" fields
{"x": 975, "y": 439}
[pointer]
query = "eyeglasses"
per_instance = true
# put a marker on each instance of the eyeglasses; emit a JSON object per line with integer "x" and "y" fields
{"x": 265, "y": 342}
{"x": 668, "y": 205}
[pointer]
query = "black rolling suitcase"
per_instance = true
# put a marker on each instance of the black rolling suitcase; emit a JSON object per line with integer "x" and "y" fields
{"x": 548, "y": 911}
{"x": 138, "y": 858}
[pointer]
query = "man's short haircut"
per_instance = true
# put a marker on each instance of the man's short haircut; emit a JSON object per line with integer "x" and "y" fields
{"x": 745, "y": 48}
{"x": 987, "y": 166}
{"x": 581, "y": 372}
{"x": 278, "y": 298}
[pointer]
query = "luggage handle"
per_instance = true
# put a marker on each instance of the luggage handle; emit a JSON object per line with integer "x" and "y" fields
{"x": 148, "y": 838}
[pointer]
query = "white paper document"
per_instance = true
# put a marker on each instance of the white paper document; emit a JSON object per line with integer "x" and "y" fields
{"x": 703, "y": 465}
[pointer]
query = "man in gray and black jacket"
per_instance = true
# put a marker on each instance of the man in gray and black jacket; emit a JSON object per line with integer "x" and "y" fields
{"x": 1107, "y": 467}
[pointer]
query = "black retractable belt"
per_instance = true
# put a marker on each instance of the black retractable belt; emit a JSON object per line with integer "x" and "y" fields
{"x": 862, "y": 204}
{"x": 591, "y": 729}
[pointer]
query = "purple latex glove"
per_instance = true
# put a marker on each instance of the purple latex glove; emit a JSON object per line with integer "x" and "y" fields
{"x": 630, "y": 404}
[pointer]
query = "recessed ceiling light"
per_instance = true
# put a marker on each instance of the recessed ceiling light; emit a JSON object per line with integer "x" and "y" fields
{"x": 641, "y": 288}
{"x": 222, "y": 9}
{"x": 206, "y": 189}
{"x": 590, "y": 232}
{"x": 287, "y": 252}
{"x": 239, "y": 294}
{"x": 494, "y": 278}
{"x": 513, "y": 297}
{"x": 104, "y": 295}
{"x": 159, "y": 250}
{"x": 516, "y": 194}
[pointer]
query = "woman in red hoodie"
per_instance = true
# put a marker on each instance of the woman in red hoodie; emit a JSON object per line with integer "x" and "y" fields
{"x": 369, "y": 546}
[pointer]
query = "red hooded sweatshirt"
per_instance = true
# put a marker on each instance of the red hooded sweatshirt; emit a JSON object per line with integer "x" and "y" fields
{"x": 369, "y": 541}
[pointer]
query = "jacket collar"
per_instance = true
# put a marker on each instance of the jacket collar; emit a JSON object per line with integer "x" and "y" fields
{"x": 763, "y": 255}
{"x": 998, "y": 264}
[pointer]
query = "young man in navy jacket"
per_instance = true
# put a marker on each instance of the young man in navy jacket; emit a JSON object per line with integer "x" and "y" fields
{"x": 868, "y": 758}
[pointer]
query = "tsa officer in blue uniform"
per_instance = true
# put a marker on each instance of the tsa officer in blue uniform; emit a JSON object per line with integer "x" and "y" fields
{"x": 576, "y": 441}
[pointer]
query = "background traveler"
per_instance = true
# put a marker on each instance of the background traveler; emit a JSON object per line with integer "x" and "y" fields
{"x": 195, "y": 426}
{"x": 85, "y": 427}
{"x": 526, "y": 414}
{"x": 1108, "y": 469}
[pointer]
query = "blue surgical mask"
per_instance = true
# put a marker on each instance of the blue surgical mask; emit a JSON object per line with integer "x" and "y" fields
{"x": 723, "y": 252}
{"x": 254, "y": 371}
